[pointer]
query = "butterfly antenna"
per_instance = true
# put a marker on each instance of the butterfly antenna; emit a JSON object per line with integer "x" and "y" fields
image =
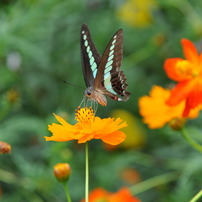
{"x": 73, "y": 85}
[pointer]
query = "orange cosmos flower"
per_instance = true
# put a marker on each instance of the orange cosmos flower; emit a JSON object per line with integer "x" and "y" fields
{"x": 123, "y": 194}
{"x": 188, "y": 73}
{"x": 156, "y": 113}
{"x": 88, "y": 127}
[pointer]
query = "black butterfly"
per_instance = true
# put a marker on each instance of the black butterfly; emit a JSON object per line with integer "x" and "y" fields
{"x": 102, "y": 74}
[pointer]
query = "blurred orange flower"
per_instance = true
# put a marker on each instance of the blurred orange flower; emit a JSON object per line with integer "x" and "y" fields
{"x": 123, "y": 194}
{"x": 188, "y": 73}
{"x": 156, "y": 113}
{"x": 130, "y": 175}
{"x": 88, "y": 127}
{"x": 5, "y": 148}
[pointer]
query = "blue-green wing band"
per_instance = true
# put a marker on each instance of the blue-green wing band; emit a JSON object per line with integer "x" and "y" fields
{"x": 89, "y": 55}
{"x": 109, "y": 76}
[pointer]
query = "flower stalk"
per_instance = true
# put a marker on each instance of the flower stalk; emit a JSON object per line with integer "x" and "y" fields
{"x": 193, "y": 143}
{"x": 67, "y": 192}
{"x": 154, "y": 182}
{"x": 197, "y": 196}
{"x": 87, "y": 175}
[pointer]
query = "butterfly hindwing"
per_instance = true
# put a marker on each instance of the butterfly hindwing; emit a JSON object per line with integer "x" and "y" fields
{"x": 90, "y": 56}
{"x": 109, "y": 76}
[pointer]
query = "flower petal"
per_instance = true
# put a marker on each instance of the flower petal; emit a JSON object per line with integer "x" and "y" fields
{"x": 180, "y": 92}
{"x": 86, "y": 137}
{"x": 190, "y": 91}
{"x": 61, "y": 120}
{"x": 114, "y": 138}
{"x": 57, "y": 138}
{"x": 123, "y": 194}
{"x": 189, "y": 50}
{"x": 64, "y": 132}
{"x": 194, "y": 98}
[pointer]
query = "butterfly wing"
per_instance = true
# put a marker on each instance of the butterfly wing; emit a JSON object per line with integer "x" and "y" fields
{"x": 109, "y": 77}
{"x": 90, "y": 56}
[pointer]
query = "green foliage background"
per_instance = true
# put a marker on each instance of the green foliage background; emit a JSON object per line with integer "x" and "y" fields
{"x": 39, "y": 48}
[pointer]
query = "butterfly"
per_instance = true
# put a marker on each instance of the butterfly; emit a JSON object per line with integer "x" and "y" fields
{"x": 102, "y": 75}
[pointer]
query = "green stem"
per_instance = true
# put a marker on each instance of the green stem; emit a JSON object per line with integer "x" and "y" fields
{"x": 67, "y": 192}
{"x": 190, "y": 12}
{"x": 194, "y": 144}
{"x": 140, "y": 55}
{"x": 197, "y": 196}
{"x": 154, "y": 182}
{"x": 87, "y": 175}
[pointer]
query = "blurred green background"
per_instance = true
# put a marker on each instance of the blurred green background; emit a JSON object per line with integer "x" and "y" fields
{"x": 40, "y": 47}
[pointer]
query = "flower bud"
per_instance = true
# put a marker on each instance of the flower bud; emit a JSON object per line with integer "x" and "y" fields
{"x": 62, "y": 171}
{"x": 4, "y": 148}
{"x": 177, "y": 123}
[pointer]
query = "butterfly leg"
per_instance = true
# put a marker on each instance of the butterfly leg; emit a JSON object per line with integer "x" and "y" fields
{"x": 83, "y": 102}
{"x": 95, "y": 106}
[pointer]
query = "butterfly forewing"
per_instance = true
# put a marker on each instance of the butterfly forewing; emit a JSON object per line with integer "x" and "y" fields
{"x": 90, "y": 56}
{"x": 109, "y": 76}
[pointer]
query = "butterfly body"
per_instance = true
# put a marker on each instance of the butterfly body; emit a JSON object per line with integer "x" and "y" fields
{"x": 96, "y": 95}
{"x": 102, "y": 74}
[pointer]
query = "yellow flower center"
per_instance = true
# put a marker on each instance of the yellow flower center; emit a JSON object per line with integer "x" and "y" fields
{"x": 184, "y": 67}
{"x": 189, "y": 69}
{"x": 84, "y": 115}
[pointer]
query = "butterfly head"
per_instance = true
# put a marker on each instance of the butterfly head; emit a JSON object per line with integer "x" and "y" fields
{"x": 95, "y": 95}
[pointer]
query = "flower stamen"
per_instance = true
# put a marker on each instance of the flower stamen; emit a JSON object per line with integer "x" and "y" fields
{"x": 84, "y": 115}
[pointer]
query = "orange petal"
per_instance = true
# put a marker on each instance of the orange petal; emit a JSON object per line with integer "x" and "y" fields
{"x": 58, "y": 138}
{"x": 180, "y": 92}
{"x": 60, "y": 130}
{"x": 190, "y": 51}
{"x": 114, "y": 138}
{"x": 64, "y": 132}
{"x": 97, "y": 194}
{"x": 85, "y": 138}
{"x": 170, "y": 68}
{"x": 121, "y": 195}
{"x": 61, "y": 120}
{"x": 195, "y": 97}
